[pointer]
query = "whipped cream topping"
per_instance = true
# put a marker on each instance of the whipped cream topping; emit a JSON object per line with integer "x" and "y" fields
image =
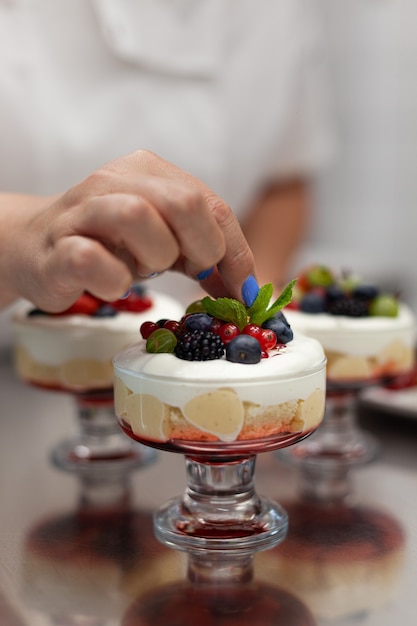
{"x": 55, "y": 339}
{"x": 356, "y": 336}
{"x": 294, "y": 372}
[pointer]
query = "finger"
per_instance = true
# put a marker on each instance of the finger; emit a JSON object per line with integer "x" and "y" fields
{"x": 81, "y": 264}
{"x": 236, "y": 270}
{"x": 133, "y": 228}
{"x": 190, "y": 219}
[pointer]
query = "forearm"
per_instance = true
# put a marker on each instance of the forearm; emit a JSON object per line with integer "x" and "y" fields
{"x": 275, "y": 228}
{"x": 16, "y": 210}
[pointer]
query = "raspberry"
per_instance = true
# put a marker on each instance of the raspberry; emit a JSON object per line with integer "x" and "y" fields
{"x": 199, "y": 345}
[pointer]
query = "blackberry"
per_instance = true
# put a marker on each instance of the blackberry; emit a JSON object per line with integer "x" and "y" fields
{"x": 351, "y": 307}
{"x": 199, "y": 345}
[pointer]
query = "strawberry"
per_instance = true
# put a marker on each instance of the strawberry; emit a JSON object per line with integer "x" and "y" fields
{"x": 86, "y": 304}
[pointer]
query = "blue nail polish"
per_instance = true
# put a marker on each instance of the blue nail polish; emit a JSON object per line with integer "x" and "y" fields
{"x": 205, "y": 274}
{"x": 125, "y": 295}
{"x": 250, "y": 289}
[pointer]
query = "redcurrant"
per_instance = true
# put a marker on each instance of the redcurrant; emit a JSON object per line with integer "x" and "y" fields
{"x": 147, "y": 328}
{"x": 173, "y": 326}
{"x": 253, "y": 330}
{"x": 267, "y": 339}
{"x": 227, "y": 332}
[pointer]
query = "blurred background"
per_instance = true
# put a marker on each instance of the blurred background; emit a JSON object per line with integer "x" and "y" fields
{"x": 365, "y": 210}
{"x": 364, "y": 214}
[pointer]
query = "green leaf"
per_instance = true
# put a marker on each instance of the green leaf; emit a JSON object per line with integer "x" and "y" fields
{"x": 283, "y": 299}
{"x": 262, "y": 301}
{"x": 228, "y": 310}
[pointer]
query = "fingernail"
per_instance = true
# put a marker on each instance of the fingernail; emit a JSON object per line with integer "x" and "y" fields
{"x": 250, "y": 289}
{"x": 205, "y": 274}
{"x": 125, "y": 295}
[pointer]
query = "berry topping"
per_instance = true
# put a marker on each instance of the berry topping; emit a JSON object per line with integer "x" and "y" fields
{"x": 244, "y": 349}
{"x": 147, "y": 328}
{"x": 202, "y": 335}
{"x": 161, "y": 340}
{"x": 281, "y": 328}
{"x": 320, "y": 290}
{"x": 227, "y": 332}
{"x": 105, "y": 310}
{"x": 198, "y": 321}
{"x": 86, "y": 304}
{"x": 350, "y": 306}
{"x": 313, "y": 302}
{"x": 199, "y": 345}
{"x": 385, "y": 305}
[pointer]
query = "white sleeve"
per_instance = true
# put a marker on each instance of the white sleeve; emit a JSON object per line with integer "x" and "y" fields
{"x": 309, "y": 142}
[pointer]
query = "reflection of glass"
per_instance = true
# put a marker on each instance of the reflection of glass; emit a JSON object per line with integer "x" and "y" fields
{"x": 220, "y": 509}
{"x": 342, "y": 558}
{"x": 220, "y": 591}
{"x": 82, "y": 567}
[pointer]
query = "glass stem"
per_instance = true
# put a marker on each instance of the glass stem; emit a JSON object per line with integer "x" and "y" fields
{"x": 218, "y": 491}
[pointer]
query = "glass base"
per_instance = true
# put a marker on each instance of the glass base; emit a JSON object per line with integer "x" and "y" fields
{"x": 220, "y": 511}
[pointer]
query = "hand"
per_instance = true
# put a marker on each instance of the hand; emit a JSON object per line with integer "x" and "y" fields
{"x": 135, "y": 216}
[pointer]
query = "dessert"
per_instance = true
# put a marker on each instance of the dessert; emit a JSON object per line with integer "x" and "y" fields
{"x": 367, "y": 335}
{"x": 222, "y": 374}
{"x": 340, "y": 560}
{"x": 73, "y": 350}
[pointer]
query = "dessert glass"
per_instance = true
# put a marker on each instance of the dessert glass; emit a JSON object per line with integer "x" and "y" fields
{"x": 98, "y": 447}
{"x": 220, "y": 511}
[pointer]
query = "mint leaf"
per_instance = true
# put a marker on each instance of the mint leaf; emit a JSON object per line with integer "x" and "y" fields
{"x": 228, "y": 310}
{"x": 283, "y": 299}
{"x": 262, "y": 301}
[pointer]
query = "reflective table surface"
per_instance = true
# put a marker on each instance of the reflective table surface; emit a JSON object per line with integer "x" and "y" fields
{"x": 75, "y": 554}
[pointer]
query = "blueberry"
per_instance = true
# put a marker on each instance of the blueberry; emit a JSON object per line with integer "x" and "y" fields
{"x": 281, "y": 328}
{"x": 365, "y": 292}
{"x": 334, "y": 293}
{"x": 138, "y": 289}
{"x": 198, "y": 321}
{"x": 313, "y": 302}
{"x": 162, "y": 321}
{"x": 244, "y": 349}
{"x": 105, "y": 310}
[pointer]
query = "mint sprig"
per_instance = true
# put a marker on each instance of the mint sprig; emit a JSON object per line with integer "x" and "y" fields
{"x": 260, "y": 312}
{"x": 233, "y": 311}
{"x": 228, "y": 310}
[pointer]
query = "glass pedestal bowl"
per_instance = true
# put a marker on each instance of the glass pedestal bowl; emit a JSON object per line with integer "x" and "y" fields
{"x": 78, "y": 363}
{"x": 219, "y": 415}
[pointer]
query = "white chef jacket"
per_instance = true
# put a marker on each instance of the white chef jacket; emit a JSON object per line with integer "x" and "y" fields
{"x": 232, "y": 91}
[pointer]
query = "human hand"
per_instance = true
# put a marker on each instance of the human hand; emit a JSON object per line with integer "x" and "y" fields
{"x": 136, "y": 216}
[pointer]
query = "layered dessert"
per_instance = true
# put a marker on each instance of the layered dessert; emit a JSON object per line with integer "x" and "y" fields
{"x": 73, "y": 350}
{"x": 340, "y": 560}
{"x": 367, "y": 335}
{"x": 222, "y": 374}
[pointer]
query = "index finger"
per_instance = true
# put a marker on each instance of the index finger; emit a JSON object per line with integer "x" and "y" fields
{"x": 236, "y": 270}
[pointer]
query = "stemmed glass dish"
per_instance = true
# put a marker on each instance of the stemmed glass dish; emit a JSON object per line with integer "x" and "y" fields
{"x": 72, "y": 353}
{"x": 369, "y": 339}
{"x": 220, "y": 415}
